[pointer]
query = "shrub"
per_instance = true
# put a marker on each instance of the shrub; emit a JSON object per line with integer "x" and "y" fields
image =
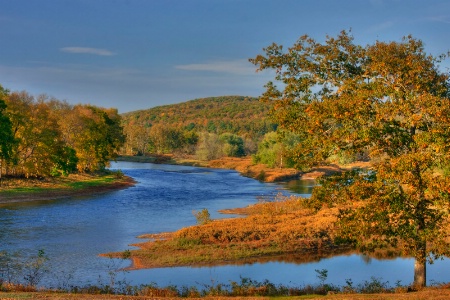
{"x": 203, "y": 216}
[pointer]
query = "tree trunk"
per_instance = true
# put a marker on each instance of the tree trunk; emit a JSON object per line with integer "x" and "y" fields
{"x": 420, "y": 273}
{"x": 420, "y": 266}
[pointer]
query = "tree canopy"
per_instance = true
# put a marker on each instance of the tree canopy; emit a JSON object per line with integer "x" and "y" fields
{"x": 388, "y": 100}
{"x": 46, "y": 137}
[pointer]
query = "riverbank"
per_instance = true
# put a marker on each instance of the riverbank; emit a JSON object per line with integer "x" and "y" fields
{"x": 246, "y": 167}
{"x": 431, "y": 293}
{"x": 55, "y": 188}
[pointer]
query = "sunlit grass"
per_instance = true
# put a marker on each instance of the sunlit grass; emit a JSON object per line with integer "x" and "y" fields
{"x": 23, "y": 190}
{"x": 282, "y": 230}
{"x": 27, "y": 189}
{"x": 91, "y": 182}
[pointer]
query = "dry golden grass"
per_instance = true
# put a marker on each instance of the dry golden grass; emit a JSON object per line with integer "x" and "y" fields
{"x": 272, "y": 231}
{"x": 246, "y": 167}
{"x": 440, "y": 293}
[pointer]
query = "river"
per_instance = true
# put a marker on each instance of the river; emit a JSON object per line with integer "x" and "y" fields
{"x": 73, "y": 232}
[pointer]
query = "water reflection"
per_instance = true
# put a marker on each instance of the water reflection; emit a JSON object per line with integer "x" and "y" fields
{"x": 302, "y": 187}
{"x": 340, "y": 268}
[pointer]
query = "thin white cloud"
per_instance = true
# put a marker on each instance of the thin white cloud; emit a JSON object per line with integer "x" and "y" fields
{"x": 381, "y": 26}
{"x": 237, "y": 67}
{"x": 86, "y": 50}
{"x": 440, "y": 19}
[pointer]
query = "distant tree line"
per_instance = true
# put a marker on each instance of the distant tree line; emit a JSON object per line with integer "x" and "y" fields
{"x": 47, "y": 137}
{"x": 160, "y": 139}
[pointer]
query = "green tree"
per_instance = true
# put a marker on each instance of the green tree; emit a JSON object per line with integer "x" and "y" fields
{"x": 190, "y": 141}
{"x": 165, "y": 139}
{"x": 390, "y": 100}
{"x": 209, "y": 146}
{"x": 233, "y": 145}
{"x": 39, "y": 149}
{"x": 137, "y": 139}
{"x": 275, "y": 150}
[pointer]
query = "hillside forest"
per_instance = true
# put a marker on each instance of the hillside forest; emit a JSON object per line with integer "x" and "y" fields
{"x": 206, "y": 128}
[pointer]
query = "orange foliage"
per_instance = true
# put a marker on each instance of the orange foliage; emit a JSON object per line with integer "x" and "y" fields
{"x": 284, "y": 223}
{"x": 282, "y": 230}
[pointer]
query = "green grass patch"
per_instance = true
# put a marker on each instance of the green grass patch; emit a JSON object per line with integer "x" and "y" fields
{"x": 92, "y": 182}
{"x": 32, "y": 189}
{"x": 20, "y": 190}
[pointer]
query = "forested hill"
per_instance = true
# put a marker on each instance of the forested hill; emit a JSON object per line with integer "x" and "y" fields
{"x": 239, "y": 115}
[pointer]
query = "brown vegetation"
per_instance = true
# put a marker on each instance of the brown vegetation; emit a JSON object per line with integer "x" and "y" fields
{"x": 246, "y": 167}
{"x": 425, "y": 294}
{"x": 272, "y": 231}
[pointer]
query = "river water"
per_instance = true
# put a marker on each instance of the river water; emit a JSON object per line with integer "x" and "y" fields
{"x": 73, "y": 232}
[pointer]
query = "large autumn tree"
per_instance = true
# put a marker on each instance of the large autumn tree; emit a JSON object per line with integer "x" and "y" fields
{"x": 389, "y": 100}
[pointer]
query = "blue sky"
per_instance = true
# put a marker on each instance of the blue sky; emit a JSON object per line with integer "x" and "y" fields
{"x": 137, "y": 54}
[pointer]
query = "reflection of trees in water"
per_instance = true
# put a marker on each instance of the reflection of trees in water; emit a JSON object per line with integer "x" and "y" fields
{"x": 311, "y": 257}
{"x": 315, "y": 256}
{"x": 301, "y": 186}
